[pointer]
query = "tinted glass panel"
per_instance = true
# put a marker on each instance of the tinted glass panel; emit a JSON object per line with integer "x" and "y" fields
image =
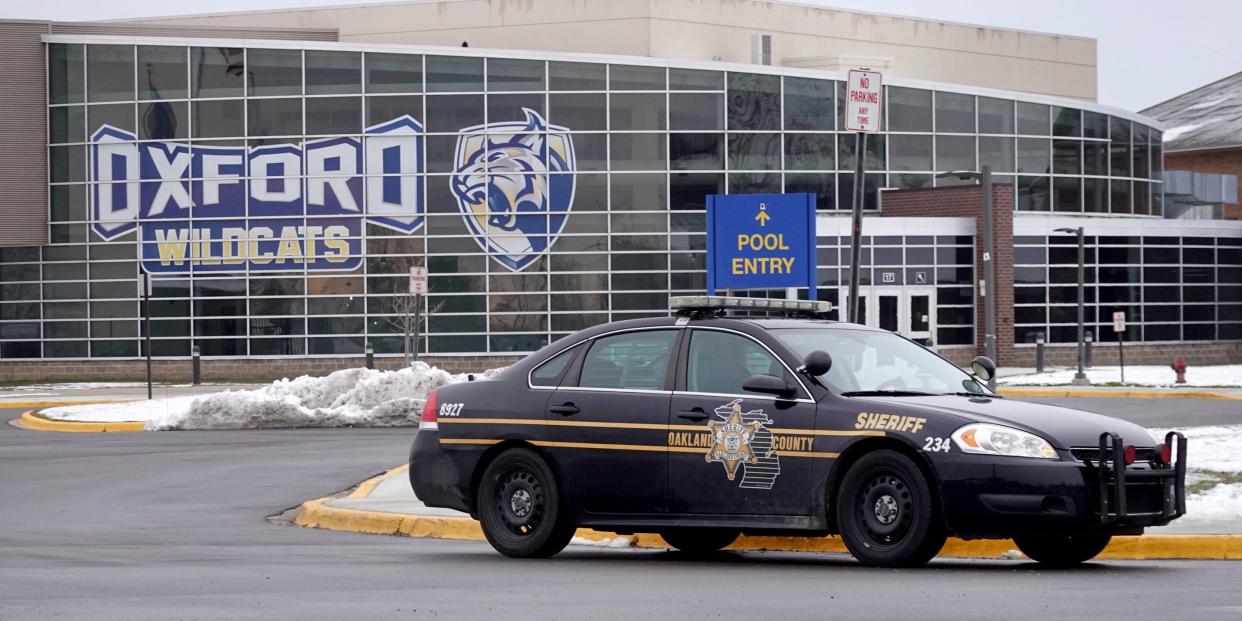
{"x": 394, "y": 73}
{"x": 330, "y": 73}
{"x": 448, "y": 74}
{"x": 507, "y": 74}
{"x": 111, "y": 71}
{"x": 721, "y": 363}
{"x": 66, "y": 73}
{"x": 909, "y": 109}
{"x": 995, "y": 116}
{"x": 809, "y": 104}
{"x": 955, "y": 112}
{"x": 162, "y": 73}
{"x": 634, "y": 78}
{"x": 695, "y": 111}
{"x": 634, "y": 361}
{"x": 274, "y": 72}
{"x": 576, "y": 76}
{"x": 217, "y": 71}
{"x": 754, "y": 101}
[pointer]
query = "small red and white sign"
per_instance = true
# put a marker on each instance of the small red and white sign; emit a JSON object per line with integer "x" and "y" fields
{"x": 418, "y": 280}
{"x": 1119, "y": 321}
{"x": 862, "y": 101}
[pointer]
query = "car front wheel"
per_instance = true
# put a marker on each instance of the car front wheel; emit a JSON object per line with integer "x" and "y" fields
{"x": 699, "y": 541}
{"x": 886, "y": 512}
{"x": 520, "y": 506}
{"x": 1062, "y": 550}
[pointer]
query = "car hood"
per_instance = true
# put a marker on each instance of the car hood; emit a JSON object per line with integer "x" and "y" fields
{"x": 1063, "y": 427}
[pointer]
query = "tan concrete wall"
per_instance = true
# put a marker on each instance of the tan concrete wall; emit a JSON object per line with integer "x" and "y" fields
{"x": 803, "y": 36}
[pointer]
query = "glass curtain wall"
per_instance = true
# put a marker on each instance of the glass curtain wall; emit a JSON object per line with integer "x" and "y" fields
{"x": 277, "y": 161}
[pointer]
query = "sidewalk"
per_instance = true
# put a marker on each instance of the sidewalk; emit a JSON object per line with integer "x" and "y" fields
{"x": 386, "y": 505}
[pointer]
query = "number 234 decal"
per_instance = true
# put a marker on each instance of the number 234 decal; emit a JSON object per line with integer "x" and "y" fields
{"x": 936, "y": 445}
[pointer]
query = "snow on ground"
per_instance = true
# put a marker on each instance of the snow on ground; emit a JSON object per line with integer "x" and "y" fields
{"x": 76, "y": 386}
{"x": 1212, "y": 455}
{"x": 606, "y": 542}
{"x": 347, "y": 398}
{"x": 1227, "y": 375}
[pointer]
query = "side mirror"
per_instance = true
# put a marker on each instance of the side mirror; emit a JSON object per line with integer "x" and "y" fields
{"x": 817, "y": 363}
{"x": 768, "y": 384}
{"x": 983, "y": 368}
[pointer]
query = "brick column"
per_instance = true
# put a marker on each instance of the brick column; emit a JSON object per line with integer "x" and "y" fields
{"x": 967, "y": 201}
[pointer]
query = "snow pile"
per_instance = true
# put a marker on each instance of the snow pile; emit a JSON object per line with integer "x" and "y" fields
{"x": 606, "y": 542}
{"x": 347, "y": 398}
{"x": 1212, "y": 456}
{"x": 1224, "y": 375}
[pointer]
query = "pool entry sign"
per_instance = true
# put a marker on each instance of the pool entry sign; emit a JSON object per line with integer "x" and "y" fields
{"x": 761, "y": 241}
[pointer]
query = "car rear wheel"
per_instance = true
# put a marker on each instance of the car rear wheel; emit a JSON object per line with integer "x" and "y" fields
{"x": 699, "y": 540}
{"x": 521, "y": 508}
{"x": 1062, "y": 550}
{"x": 886, "y": 512}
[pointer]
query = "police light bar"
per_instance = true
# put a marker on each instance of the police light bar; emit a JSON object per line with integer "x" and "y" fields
{"x": 720, "y": 302}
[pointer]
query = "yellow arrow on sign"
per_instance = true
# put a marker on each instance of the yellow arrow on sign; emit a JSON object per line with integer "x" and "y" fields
{"x": 763, "y": 216}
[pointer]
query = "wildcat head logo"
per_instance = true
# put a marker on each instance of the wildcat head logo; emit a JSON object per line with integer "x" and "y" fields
{"x": 514, "y": 185}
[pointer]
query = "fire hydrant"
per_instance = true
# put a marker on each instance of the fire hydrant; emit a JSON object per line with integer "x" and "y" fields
{"x": 1179, "y": 367}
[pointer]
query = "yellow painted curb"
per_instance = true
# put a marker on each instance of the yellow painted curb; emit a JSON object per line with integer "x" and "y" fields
{"x": 37, "y": 423}
{"x": 1172, "y": 393}
{"x": 319, "y": 514}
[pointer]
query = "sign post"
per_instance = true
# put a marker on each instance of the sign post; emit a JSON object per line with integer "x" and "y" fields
{"x": 761, "y": 241}
{"x": 862, "y": 115}
{"x": 1119, "y": 326}
{"x": 145, "y": 283}
{"x": 418, "y": 288}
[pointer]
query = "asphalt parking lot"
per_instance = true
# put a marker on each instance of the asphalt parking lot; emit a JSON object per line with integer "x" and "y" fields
{"x": 174, "y": 525}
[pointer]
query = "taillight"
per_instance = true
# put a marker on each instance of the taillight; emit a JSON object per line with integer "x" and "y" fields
{"x": 1131, "y": 454}
{"x": 430, "y": 413}
{"x": 1164, "y": 453}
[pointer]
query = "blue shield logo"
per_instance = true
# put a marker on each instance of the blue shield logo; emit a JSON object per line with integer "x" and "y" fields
{"x": 514, "y": 183}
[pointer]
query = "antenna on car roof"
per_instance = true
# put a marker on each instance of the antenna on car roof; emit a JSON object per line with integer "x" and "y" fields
{"x": 719, "y": 305}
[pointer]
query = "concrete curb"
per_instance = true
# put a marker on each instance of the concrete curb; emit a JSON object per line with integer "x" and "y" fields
{"x": 30, "y": 420}
{"x": 1173, "y": 393}
{"x": 319, "y": 514}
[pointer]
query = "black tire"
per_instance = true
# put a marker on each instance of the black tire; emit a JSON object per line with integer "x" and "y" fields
{"x": 521, "y": 507}
{"x": 886, "y": 512}
{"x": 699, "y": 541}
{"x": 1062, "y": 550}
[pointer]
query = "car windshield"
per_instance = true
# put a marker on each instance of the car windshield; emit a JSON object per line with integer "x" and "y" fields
{"x": 866, "y": 362}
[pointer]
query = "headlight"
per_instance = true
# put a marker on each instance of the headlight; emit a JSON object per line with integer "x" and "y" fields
{"x": 985, "y": 439}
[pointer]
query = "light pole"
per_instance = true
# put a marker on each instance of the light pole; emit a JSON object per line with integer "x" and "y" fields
{"x": 988, "y": 286}
{"x": 1080, "y": 378}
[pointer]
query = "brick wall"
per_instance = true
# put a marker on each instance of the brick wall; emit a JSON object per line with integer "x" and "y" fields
{"x": 1105, "y": 354}
{"x": 967, "y": 201}
{"x": 221, "y": 369}
{"x": 1224, "y": 161}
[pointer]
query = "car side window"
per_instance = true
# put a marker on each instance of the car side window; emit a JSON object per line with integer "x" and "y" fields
{"x": 549, "y": 373}
{"x": 633, "y": 360}
{"x": 721, "y": 362}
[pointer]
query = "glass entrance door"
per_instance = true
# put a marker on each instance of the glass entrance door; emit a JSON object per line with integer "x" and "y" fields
{"x": 908, "y": 311}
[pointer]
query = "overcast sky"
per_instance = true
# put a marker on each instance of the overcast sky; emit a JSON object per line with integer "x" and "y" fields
{"x": 1149, "y": 50}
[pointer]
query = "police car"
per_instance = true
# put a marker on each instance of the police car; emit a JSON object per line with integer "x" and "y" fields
{"x": 706, "y": 425}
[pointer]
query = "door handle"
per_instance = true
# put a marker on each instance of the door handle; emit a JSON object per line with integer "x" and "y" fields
{"x": 695, "y": 415}
{"x": 565, "y": 409}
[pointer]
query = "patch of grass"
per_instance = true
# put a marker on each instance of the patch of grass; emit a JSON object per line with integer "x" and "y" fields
{"x": 1212, "y": 478}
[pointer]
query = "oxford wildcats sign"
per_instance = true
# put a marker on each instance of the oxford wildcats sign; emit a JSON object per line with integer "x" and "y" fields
{"x": 513, "y": 207}
{"x": 290, "y": 207}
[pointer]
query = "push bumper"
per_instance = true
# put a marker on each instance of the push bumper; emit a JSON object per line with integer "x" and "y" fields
{"x": 1002, "y": 497}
